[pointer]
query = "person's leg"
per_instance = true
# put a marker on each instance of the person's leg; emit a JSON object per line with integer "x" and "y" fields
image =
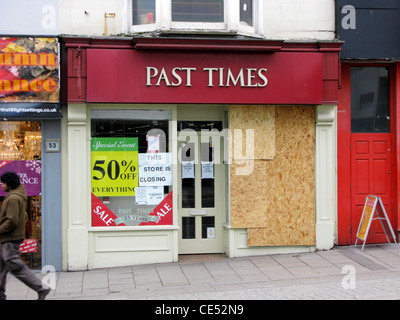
{"x": 3, "y": 276}
{"x": 19, "y": 268}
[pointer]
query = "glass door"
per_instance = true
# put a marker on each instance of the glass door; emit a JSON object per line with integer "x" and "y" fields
{"x": 20, "y": 152}
{"x": 201, "y": 191}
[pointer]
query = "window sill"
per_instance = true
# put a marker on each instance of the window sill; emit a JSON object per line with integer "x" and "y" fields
{"x": 133, "y": 228}
{"x": 207, "y": 43}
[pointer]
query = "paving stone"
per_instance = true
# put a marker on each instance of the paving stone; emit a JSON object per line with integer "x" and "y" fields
{"x": 306, "y": 276}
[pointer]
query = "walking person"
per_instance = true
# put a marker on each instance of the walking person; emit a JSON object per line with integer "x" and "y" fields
{"x": 12, "y": 233}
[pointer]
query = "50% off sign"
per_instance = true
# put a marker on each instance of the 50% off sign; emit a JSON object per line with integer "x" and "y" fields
{"x": 114, "y": 166}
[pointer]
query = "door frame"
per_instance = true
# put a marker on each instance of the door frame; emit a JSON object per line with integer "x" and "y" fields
{"x": 197, "y": 212}
{"x": 196, "y": 112}
{"x": 344, "y": 153}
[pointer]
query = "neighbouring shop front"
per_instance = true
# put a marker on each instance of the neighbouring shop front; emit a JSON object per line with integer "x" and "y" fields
{"x": 30, "y": 132}
{"x": 204, "y": 146}
{"x": 368, "y": 115}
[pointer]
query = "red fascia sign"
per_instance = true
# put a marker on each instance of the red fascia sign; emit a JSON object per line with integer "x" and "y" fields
{"x": 134, "y": 76}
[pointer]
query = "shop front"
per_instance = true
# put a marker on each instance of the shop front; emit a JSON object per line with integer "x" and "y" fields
{"x": 30, "y": 132}
{"x": 368, "y": 116}
{"x": 197, "y": 146}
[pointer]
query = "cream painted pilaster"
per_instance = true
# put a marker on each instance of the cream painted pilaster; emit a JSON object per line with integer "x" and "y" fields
{"x": 325, "y": 175}
{"x": 77, "y": 188}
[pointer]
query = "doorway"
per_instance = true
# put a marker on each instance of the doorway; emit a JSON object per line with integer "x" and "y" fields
{"x": 20, "y": 152}
{"x": 201, "y": 176}
{"x": 371, "y": 144}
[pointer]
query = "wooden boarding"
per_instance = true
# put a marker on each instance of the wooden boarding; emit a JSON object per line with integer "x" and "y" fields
{"x": 277, "y": 201}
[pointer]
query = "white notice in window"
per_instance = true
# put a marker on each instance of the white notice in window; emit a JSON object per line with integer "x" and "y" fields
{"x": 187, "y": 169}
{"x": 154, "y": 195}
{"x": 207, "y": 170}
{"x": 140, "y": 196}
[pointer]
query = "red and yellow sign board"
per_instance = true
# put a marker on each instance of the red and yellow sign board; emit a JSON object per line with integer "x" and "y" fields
{"x": 29, "y": 70}
{"x": 366, "y": 217}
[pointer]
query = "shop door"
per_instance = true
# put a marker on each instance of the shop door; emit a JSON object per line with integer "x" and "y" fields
{"x": 371, "y": 145}
{"x": 201, "y": 192}
{"x": 20, "y": 152}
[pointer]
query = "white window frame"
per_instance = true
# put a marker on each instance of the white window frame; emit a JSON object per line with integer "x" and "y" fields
{"x": 231, "y": 19}
{"x": 257, "y": 18}
{"x": 130, "y": 28}
{"x": 175, "y": 25}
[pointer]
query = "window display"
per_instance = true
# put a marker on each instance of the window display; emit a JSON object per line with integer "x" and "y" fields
{"x": 131, "y": 168}
{"x": 20, "y": 152}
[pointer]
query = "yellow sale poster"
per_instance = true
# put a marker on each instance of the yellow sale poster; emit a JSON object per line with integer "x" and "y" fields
{"x": 114, "y": 166}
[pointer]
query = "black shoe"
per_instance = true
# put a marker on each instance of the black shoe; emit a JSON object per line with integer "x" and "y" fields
{"x": 43, "y": 294}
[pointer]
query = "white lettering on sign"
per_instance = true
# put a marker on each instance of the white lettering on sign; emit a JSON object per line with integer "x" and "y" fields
{"x": 174, "y": 79}
{"x": 24, "y": 179}
{"x": 244, "y": 78}
{"x": 223, "y": 77}
{"x": 103, "y": 216}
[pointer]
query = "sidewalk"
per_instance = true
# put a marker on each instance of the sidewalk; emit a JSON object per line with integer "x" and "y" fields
{"x": 340, "y": 273}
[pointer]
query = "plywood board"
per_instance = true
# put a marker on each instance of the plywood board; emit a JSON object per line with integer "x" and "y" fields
{"x": 291, "y": 182}
{"x": 249, "y": 194}
{"x": 277, "y": 201}
{"x": 260, "y": 119}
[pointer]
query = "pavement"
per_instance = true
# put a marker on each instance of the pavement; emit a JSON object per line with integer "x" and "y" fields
{"x": 343, "y": 273}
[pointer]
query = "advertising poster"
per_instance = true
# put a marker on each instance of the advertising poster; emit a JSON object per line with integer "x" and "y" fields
{"x": 29, "y": 172}
{"x": 366, "y": 217}
{"x": 102, "y": 216}
{"x": 29, "y": 70}
{"x": 127, "y": 188}
{"x": 114, "y": 166}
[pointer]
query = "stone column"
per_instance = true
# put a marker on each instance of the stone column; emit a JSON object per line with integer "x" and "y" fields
{"x": 325, "y": 175}
{"x": 78, "y": 192}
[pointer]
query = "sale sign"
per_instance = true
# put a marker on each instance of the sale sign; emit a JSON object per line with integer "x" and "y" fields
{"x": 114, "y": 166}
{"x": 162, "y": 214}
{"x": 102, "y": 216}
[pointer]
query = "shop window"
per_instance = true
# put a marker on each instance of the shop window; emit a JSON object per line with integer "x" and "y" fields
{"x": 370, "y": 101}
{"x": 188, "y": 228}
{"x": 246, "y": 13}
{"x": 196, "y": 11}
{"x": 207, "y": 182}
{"x": 131, "y": 168}
{"x": 207, "y": 227}
{"x": 143, "y": 12}
{"x": 20, "y": 151}
{"x": 189, "y": 183}
{"x": 150, "y": 15}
